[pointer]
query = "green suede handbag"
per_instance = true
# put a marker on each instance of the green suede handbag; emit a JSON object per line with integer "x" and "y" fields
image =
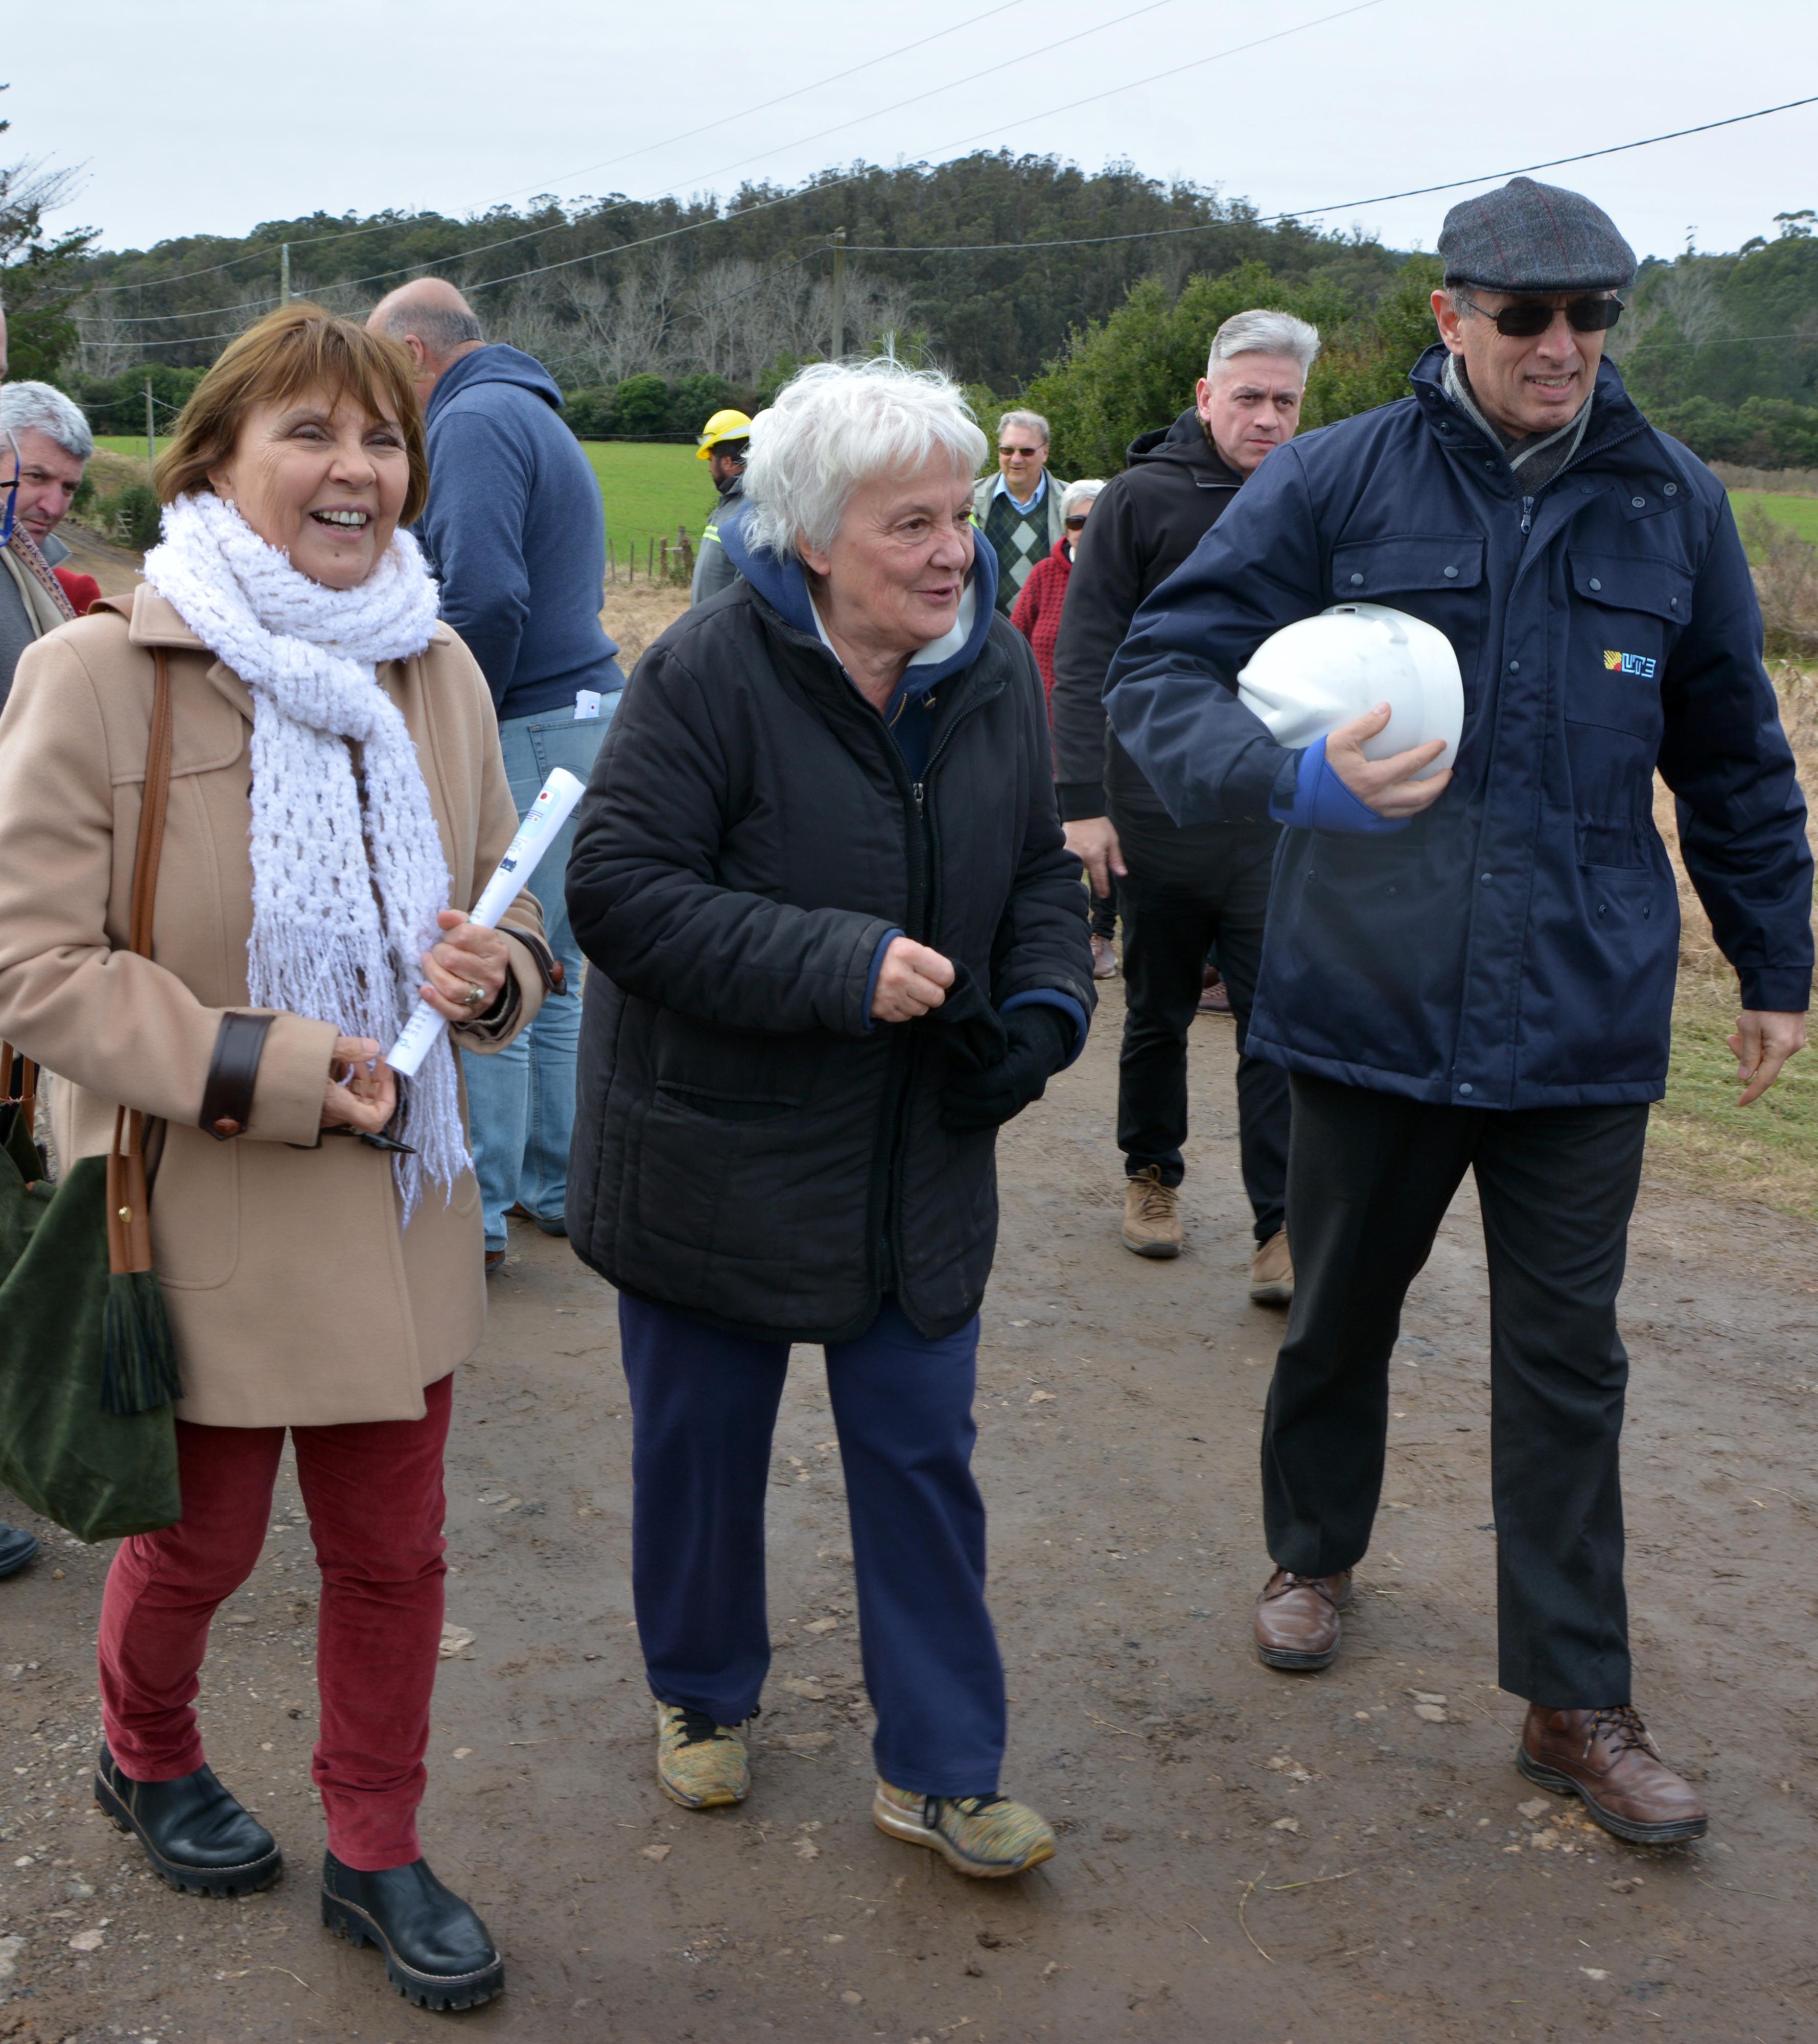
{"x": 87, "y": 1369}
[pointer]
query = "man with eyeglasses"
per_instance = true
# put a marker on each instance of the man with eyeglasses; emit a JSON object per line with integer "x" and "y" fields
{"x": 1475, "y": 971}
{"x": 1018, "y": 509}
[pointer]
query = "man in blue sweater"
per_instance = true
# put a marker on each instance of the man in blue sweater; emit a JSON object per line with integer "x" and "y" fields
{"x": 515, "y": 533}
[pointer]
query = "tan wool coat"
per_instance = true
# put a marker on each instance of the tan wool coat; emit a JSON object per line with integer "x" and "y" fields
{"x": 295, "y": 1296}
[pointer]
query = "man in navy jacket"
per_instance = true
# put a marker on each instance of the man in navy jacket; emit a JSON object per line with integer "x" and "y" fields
{"x": 515, "y": 532}
{"x": 1476, "y": 970}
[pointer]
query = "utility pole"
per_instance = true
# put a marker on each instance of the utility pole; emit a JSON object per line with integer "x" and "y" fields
{"x": 284, "y": 273}
{"x": 151, "y": 434}
{"x": 839, "y": 293}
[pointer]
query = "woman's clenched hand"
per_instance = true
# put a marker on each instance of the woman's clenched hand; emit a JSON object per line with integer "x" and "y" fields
{"x": 913, "y": 979}
{"x": 468, "y": 957}
{"x": 362, "y": 1092}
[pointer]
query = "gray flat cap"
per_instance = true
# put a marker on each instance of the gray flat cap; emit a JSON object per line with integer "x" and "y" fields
{"x": 1535, "y": 237}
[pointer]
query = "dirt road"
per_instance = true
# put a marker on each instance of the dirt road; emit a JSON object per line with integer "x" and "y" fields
{"x": 1248, "y": 1858}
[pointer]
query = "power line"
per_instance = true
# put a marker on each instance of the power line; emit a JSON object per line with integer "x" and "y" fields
{"x": 353, "y": 233}
{"x": 819, "y": 185}
{"x": 764, "y": 105}
{"x": 1342, "y": 205}
{"x": 969, "y": 248}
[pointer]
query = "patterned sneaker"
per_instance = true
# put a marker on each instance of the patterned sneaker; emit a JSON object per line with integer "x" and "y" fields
{"x": 984, "y": 1835}
{"x": 699, "y": 1764}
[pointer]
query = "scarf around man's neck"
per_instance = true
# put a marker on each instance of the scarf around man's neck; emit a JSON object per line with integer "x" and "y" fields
{"x": 46, "y": 604}
{"x": 1535, "y": 458}
{"x": 347, "y": 871}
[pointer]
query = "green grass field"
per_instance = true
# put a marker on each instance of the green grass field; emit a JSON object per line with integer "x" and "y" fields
{"x": 648, "y": 489}
{"x": 1800, "y": 512}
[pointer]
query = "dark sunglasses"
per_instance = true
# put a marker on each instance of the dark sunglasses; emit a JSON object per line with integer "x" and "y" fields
{"x": 1528, "y": 317}
{"x": 1074, "y": 524}
{"x": 1028, "y": 451}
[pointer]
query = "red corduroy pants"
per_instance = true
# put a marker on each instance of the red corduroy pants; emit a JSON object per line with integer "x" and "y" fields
{"x": 373, "y": 1495}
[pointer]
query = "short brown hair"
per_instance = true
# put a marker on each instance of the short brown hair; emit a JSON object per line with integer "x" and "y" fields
{"x": 300, "y": 347}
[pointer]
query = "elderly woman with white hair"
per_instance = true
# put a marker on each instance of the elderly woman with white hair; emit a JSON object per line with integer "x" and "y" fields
{"x": 837, "y": 942}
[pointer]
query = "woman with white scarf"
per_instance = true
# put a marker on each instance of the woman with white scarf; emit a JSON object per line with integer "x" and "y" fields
{"x": 337, "y": 803}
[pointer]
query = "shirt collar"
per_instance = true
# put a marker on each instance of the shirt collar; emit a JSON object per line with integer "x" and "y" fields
{"x": 1004, "y": 489}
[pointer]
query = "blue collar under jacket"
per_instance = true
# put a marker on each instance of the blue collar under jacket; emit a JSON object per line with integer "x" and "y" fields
{"x": 1515, "y": 946}
{"x": 910, "y": 713}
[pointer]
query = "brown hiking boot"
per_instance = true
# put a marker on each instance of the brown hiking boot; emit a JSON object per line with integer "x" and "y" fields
{"x": 1152, "y": 1215}
{"x": 1215, "y": 996}
{"x": 1297, "y": 1619}
{"x": 1607, "y": 1758}
{"x": 1272, "y": 1272}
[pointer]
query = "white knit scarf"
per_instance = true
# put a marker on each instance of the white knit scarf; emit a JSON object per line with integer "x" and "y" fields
{"x": 348, "y": 871}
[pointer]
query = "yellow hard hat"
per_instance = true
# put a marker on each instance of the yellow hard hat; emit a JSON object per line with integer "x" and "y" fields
{"x": 722, "y": 426}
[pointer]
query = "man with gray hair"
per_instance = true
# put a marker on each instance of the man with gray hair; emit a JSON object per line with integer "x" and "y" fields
{"x": 45, "y": 444}
{"x": 1180, "y": 891}
{"x": 1474, "y": 970}
{"x": 1019, "y": 509}
{"x": 516, "y": 534}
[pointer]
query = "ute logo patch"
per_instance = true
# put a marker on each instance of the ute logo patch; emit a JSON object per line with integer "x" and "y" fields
{"x": 1629, "y": 664}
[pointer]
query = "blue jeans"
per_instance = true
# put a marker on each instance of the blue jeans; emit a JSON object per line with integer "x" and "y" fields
{"x": 521, "y": 1101}
{"x": 704, "y": 1404}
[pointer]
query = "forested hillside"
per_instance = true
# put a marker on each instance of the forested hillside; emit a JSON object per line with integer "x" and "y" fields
{"x": 1094, "y": 294}
{"x": 616, "y": 288}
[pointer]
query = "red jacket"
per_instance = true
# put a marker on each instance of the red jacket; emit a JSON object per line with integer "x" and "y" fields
{"x": 1037, "y": 614}
{"x": 83, "y": 590}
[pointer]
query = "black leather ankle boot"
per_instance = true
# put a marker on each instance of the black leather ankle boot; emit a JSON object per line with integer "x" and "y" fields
{"x": 437, "y": 1952}
{"x": 197, "y": 1837}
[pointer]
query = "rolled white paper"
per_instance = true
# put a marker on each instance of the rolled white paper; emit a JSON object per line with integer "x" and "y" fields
{"x": 555, "y": 804}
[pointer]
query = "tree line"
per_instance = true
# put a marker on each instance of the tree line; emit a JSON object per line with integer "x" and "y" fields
{"x": 650, "y": 314}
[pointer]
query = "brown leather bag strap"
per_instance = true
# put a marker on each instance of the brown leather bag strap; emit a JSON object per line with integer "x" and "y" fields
{"x": 153, "y": 811}
{"x": 129, "y": 1220}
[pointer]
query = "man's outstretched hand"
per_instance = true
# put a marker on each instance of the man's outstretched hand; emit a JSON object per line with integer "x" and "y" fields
{"x": 1763, "y": 1043}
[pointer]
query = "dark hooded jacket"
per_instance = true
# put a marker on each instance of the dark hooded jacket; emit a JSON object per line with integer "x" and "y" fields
{"x": 1144, "y": 525}
{"x": 1515, "y": 945}
{"x": 515, "y": 533}
{"x": 749, "y": 1147}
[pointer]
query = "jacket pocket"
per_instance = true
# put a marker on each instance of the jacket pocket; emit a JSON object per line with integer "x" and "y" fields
{"x": 195, "y": 1211}
{"x": 1626, "y": 615}
{"x": 1435, "y": 577}
{"x": 750, "y": 1209}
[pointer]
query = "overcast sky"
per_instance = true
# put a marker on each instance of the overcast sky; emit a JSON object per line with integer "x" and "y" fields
{"x": 213, "y": 115}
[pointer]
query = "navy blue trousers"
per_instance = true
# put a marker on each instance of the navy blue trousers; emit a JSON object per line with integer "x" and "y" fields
{"x": 704, "y": 1406}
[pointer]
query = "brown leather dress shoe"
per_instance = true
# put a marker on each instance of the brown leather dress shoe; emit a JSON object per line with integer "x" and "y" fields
{"x": 1607, "y": 1758}
{"x": 1215, "y": 997}
{"x": 1297, "y": 1619}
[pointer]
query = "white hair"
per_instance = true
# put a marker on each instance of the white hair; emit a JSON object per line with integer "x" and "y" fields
{"x": 1033, "y": 421}
{"x": 36, "y": 408}
{"x": 1259, "y": 332}
{"x": 837, "y": 425}
{"x": 1081, "y": 491}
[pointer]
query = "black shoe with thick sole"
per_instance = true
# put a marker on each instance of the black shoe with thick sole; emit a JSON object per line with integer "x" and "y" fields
{"x": 438, "y": 1954}
{"x": 196, "y": 1836}
{"x": 18, "y": 1549}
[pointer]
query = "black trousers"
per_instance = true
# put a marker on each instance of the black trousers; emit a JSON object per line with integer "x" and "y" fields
{"x": 1186, "y": 891}
{"x": 1369, "y": 1177}
{"x": 1104, "y": 909}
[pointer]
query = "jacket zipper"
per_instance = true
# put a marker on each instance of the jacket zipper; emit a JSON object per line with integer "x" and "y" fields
{"x": 908, "y": 1047}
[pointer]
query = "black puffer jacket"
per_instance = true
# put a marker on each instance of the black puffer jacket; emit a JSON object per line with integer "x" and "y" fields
{"x": 746, "y": 1147}
{"x": 1144, "y": 524}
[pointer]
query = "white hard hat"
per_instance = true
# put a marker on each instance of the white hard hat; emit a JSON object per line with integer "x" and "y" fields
{"x": 1307, "y": 678}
